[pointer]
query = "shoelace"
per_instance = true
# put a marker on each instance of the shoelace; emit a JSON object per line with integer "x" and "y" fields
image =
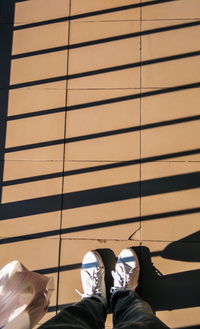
{"x": 93, "y": 282}
{"x": 124, "y": 278}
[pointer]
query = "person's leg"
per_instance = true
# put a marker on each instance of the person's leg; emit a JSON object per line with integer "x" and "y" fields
{"x": 91, "y": 311}
{"x": 129, "y": 310}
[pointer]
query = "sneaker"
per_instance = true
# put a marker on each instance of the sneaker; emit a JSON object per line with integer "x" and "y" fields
{"x": 127, "y": 269}
{"x": 93, "y": 276}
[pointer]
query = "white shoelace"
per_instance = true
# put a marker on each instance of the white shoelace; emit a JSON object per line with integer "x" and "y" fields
{"x": 93, "y": 283}
{"x": 123, "y": 278}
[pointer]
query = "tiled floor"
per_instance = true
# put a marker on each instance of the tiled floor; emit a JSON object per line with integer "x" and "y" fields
{"x": 100, "y": 143}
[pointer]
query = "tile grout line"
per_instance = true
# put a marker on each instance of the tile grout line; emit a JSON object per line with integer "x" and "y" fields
{"x": 140, "y": 153}
{"x": 107, "y": 240}
{"x": 135, "y": 20}
{"x": 79, "y": 20}
{"x": 92, "y": 161}
{"x": 93, "y": 89}
{"x": 63, "y": 169}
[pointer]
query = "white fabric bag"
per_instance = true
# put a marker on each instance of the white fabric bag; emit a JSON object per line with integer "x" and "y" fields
{"x": 24, "y": 296}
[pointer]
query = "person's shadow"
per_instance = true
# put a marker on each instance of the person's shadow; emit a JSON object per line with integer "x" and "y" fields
{"x": 164, "y": 292}
{"x": 171, "y": 291}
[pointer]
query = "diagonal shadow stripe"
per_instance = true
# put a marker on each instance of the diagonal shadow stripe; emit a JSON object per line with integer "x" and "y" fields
{"x": 69, "y": 267}
{"x": 106, "y": 70}
{"x": 63, "y": 268}
{"x": 133, "y": 129}
{"x": 133, "y": 65}
{"x": 92, "y": 13}
{"x": 135, "y": 96}
{"x": 100, "y": 195}
{"x": 103, "y": 134}
{"x": 185, "y": 287}
{"x": 131, "y": 190}
{"x": 105, "y": 40}
{"x": 35, "y": 114}
{"x": 33, "y": 146}
{"x": 101, "y": 167}
{"x": 100, "y": 225}
{"x": 106, "y": 101}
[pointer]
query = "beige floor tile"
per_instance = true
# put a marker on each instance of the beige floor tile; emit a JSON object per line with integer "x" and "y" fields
{"x": 29, "y": 135}
{"x": 170, "y": 281}
{"x": 170, "y": 125}
{"x": 71, "y": 257}
{"x": 101, "y": 204}
{"x": 37, "y": 10}
{"x": 18, "y": 227}
{"x": 123, "y": 78}
{"x": 104, "y": 54}
{"x": 173, "y": 73}
{"x": 25, "y": 180}
{"x": 177, "y": 104}
{"x": 35, "y": 130}
{"x": 170, "y": 200}
{"x": 171, "y": 9}
{"x": 98, "y": 111}
{"x": 112, "y": 148}
{"x": 36, "y": 100}
{"x": 38, "y": 69}
{"x": 94, "y": 32}
{"x": 181, "y": 318}
{"x": 31, "y": 199}
{"x": 100, "y": 129}
{"x": 170, "y": 63}
{"x": 35, "y": 256}
{"x": 155, "y": 44}
{"x": 40, "y": 38}
{"x": 36, "y": 115}
{"x": 47, "y": 153}
{"x": 19, "y": 172}
{"x": 171, "y": 139}
{"x": 98, "y": 10}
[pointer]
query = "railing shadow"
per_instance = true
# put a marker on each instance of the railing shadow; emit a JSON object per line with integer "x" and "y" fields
{"x": 100, "y": 195}
{"x": 99, "y": 225}
{"x": 7, "y": 10}
{"x": 163, "y": 292}
{"x": 171, "y": 291}
{"x": 104, "y": 70}
{"x": 105, "y": 40}
{"x": 155, "y": 287}
{"x": 92, "y": 13}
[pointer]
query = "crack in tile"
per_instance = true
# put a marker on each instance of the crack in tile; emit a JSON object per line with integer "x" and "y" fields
{"x": 131, "y": 236}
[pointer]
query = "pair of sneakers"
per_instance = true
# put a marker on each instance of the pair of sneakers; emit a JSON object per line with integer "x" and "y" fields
{"x": 125, "y": 275}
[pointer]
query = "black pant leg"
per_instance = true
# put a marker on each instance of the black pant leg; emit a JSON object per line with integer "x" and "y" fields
{"x": 89, "y": 313}
{"x": 131, "y": 312}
